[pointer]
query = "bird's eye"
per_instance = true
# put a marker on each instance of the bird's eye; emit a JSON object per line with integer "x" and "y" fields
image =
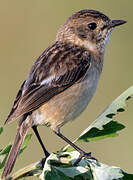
{"x": 92, "y": 26}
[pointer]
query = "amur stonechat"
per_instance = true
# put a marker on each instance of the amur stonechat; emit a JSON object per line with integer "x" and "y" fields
{"x": 62, "y": 80}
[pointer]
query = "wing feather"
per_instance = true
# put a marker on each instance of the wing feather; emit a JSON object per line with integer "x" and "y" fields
{"x": 57, "y": 74}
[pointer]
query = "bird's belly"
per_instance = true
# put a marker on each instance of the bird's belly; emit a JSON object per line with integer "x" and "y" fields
{"x": 67, "y": 105}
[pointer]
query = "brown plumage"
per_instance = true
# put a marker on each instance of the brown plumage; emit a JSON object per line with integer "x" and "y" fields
{"x": 53, "y": 63}
{"x": 62, "y": 80}
{"x": 21, "y": 133}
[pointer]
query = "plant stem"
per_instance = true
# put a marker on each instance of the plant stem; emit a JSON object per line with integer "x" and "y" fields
{"x": 30, "y": 170}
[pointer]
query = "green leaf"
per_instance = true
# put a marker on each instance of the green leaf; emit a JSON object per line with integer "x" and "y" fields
{"x": 69, "y": 170}
{"x": 4, "y": 154}
{"x": 3, "y": 160}
{"x": 106, "y": 172}
{"x": 55, "y": 174}
{"x": 86, "y": 169}
{"x": 85, "y": 176}
{"x": 109, "y": 130}
{"x": 127, "y": 176}
{"x": 6, "y": 150}
{"x": 1, "y": 130}
{"x": 25, "y": 143}
{"x": 104, "y": 126}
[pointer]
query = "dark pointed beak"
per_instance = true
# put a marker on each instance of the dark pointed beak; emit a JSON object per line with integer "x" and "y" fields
{"x": 115, "y": 23}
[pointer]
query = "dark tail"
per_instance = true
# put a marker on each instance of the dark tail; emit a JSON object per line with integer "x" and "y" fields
{"x": 21, "y": 133}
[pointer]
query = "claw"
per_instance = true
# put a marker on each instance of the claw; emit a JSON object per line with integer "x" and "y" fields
{"x": 86, "y": 155}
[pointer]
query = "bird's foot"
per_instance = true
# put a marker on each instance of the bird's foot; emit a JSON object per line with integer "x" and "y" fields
{"x": 86, "y": 155}
{"x": 43, "y": 161}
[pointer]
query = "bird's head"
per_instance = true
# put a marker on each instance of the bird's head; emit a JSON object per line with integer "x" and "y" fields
{"x": 88, "y": 28}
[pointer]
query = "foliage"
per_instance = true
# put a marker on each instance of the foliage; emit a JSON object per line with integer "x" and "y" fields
{"x": 105, "y": 126}
{"x": 60, "y": 165}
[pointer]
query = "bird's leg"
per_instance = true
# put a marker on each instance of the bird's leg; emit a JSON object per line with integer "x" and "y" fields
{"x": 82, "y": 153}
{"x": 40, "y": 141}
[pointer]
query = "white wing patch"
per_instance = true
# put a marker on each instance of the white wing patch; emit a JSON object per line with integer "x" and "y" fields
{"x": 47, "y": 81}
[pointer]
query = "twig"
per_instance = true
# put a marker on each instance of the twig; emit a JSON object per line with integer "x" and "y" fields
{"x": 30, "y": 170}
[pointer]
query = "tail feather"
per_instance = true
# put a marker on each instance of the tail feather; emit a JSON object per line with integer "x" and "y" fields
{"x": 21, "y": 133}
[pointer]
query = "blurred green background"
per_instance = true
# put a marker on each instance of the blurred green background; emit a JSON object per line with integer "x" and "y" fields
{"x": 26, "y": 29}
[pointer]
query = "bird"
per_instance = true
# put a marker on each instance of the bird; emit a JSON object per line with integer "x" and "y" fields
{"x": 62, "y": 80}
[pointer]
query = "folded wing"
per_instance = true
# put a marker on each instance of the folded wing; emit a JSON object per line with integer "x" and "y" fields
{"x": 59, "y": 67}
